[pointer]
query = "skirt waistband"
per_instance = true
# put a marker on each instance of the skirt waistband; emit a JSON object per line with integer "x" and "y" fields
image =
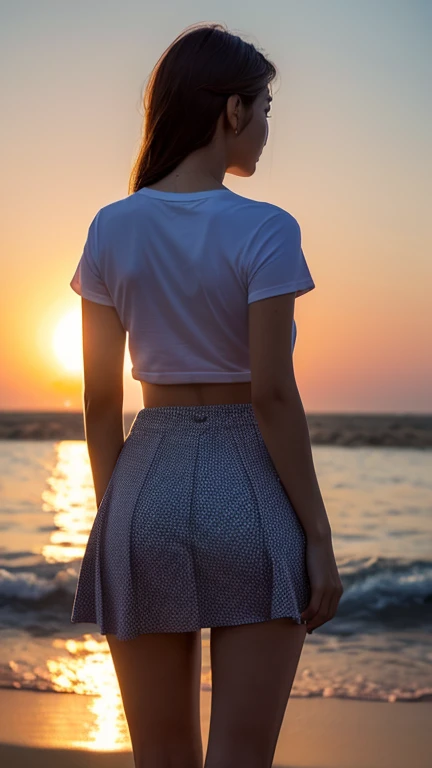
{"x": 199, "y": 416}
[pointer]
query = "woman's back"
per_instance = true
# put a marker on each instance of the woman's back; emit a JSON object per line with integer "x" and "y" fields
{"x": 181, "y": 269}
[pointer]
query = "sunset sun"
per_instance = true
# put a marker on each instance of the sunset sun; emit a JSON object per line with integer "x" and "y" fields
{"x": 67, "y": 341}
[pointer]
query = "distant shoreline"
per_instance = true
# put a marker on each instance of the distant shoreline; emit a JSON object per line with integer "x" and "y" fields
{"x": 349, "y": 430}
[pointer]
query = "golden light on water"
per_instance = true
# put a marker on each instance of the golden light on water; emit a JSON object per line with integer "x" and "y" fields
{"x": 88, "y": 669}
{"x": 67, "y": 341}
{"x": 70, "y": 497}
{"x": 84, "y": 665}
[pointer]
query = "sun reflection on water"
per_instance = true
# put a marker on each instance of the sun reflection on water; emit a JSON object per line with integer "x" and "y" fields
{"x": 84, "y": 665}
{"x": 70, "y": 496}
{"x": 88, "y": 669}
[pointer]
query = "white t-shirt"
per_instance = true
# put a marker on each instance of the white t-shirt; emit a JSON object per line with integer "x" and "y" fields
{"x": 180, "y": 268}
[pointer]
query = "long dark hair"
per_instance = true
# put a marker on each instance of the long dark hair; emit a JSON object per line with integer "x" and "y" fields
{"x": 187, "y": 91}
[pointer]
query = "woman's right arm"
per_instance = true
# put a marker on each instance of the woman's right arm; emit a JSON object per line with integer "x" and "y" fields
{"x": 285, "y": 431}
{"x": 282, "y": 421}
{"x": 279, "y": 411}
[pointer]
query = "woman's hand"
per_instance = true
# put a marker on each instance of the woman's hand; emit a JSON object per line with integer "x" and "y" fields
{"x": 326, "y": 586}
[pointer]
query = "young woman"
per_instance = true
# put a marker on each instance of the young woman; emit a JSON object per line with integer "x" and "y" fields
{"x": 209, "y": 513}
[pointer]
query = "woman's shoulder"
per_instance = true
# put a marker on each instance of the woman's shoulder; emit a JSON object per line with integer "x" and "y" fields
{"x": 261, "y": 209}
{"x": 111, "y": 217}
{"x": 118, "y": 207}
{"x": 251, "y": 211}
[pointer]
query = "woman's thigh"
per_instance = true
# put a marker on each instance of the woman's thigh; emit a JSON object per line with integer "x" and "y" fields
{"x": 253, "y": 669}
{"x": 159, "y": 676}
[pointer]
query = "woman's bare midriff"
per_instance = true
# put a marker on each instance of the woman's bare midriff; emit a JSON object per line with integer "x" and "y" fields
{"x": 157, "y": 395}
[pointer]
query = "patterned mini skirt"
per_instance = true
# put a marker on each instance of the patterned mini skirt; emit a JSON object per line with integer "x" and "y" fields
{"x": 194, "y": 530}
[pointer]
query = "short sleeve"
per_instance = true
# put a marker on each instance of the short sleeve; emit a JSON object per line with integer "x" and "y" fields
{"x": 87, "y": 280}
{"x": 277, "y": 264}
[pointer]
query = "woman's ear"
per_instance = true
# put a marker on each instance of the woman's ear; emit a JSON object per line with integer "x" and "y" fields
{"x": 233, "y": 111}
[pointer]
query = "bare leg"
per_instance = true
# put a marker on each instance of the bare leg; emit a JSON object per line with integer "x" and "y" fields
{"x": 253, "y": 669}
{"x": 159, "y": 677}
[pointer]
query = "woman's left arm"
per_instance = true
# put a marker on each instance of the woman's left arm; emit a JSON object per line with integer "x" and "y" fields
{"x": 104, "y": 340}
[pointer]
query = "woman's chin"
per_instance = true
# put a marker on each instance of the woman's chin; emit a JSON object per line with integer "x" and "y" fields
{"x": 245, "y": 172}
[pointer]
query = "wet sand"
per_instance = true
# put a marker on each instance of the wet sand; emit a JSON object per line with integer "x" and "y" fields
{"x": 40, "y": 729}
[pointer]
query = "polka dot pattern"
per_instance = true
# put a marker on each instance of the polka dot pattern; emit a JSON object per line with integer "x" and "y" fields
{"x": 195, "y": 529}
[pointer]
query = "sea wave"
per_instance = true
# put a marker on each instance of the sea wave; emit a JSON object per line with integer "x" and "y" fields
{"x": 391, "y": 591}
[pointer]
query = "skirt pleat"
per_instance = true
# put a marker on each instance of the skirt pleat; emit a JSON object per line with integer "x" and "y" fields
{"x": 194, "y": 530}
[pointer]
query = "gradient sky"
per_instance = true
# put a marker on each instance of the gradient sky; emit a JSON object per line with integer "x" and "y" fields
{"x": 349, "y": 155}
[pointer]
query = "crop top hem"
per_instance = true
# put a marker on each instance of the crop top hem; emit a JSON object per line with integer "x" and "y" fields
{"x": 183, "y": 377}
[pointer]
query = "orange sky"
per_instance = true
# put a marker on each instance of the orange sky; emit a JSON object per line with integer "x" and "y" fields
{"x": 348, "y": 155}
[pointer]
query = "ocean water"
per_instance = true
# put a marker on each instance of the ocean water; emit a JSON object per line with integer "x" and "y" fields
{"x": 378, "y": 647}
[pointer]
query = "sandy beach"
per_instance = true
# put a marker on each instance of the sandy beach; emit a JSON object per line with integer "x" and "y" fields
{"x": 40, "y": 729}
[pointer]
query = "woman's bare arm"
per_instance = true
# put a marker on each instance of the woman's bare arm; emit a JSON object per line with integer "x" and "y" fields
{"x": 104, "y": 340}
{"x": 279, "y": 410}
